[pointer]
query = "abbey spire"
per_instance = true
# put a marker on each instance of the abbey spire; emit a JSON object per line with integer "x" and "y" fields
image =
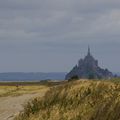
{"x": 89, "y": 51}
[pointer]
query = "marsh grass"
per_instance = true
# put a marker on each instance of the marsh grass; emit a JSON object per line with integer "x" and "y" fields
{"x": 19, "y": 90}
{"x": 77, "y": 100}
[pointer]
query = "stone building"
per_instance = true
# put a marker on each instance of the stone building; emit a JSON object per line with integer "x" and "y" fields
{"x": 88, "y": 68}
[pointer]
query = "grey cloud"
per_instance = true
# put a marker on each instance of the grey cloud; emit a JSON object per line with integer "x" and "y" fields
{"x": 41, "y": 28}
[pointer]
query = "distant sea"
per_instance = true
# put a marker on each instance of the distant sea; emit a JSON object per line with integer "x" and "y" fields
{"x": 32, "y": 76}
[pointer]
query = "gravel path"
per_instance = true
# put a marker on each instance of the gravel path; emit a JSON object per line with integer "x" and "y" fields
{"x": 11, "y": 106}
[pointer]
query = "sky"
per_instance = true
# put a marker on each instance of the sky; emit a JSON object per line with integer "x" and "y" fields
{"x": 52, "y": 35}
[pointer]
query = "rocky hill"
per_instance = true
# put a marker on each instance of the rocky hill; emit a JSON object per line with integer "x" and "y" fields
{"x": 88, "y": 68}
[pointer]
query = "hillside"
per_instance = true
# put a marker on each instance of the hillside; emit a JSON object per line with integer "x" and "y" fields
{"x": 78, "y": 100}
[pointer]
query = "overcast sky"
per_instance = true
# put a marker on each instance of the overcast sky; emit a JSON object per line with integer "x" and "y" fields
{"x": 51, "y": 35}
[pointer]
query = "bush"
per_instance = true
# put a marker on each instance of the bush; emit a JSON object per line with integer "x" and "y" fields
{"x": 75, "y": 77}
{"x": 91, "y": 76}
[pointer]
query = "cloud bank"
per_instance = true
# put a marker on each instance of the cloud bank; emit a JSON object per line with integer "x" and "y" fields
{"x": 51, "y": 35}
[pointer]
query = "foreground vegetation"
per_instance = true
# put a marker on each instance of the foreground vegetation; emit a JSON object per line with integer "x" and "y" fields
{"x": 76, "y": 100}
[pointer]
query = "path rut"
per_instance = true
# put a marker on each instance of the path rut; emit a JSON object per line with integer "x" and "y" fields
{"x": 11, "y": 106}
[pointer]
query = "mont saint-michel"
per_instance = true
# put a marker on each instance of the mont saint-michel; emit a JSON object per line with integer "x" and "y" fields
{"x": 89, "y": 68}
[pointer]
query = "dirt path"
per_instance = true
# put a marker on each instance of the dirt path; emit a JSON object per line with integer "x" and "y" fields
{"x": 11, "y": 106}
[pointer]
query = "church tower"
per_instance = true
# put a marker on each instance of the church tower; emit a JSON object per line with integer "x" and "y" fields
{"x": 89, "y": 54}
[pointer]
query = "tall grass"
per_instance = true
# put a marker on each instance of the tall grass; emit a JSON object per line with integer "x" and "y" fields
{"x": 78, "y": 100}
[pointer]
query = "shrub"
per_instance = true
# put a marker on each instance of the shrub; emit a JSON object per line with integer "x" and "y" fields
{"x": 75, "y": 77}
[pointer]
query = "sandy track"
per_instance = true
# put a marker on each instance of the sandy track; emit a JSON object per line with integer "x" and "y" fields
{"x": 11, "y": 106}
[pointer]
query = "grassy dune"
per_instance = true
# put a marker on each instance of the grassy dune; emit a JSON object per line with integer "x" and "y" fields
{"x": 78, "y": 100}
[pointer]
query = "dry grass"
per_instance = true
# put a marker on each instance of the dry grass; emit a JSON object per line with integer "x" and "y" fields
{"x": 19, "y": 90}
{"x": 78, "y": 100}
